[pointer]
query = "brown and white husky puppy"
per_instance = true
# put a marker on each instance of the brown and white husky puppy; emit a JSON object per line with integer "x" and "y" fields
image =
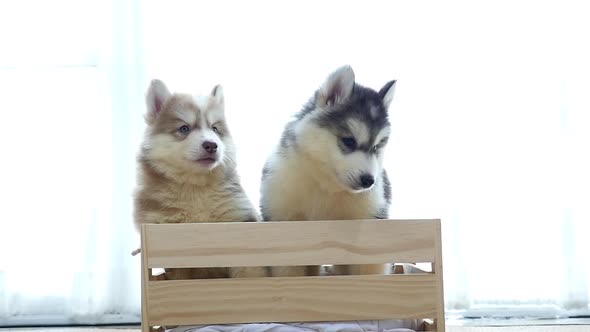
{"x": 187, "y": 169}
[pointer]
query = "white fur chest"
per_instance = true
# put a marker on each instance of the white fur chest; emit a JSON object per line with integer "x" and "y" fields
{"x": 292, "y": 195}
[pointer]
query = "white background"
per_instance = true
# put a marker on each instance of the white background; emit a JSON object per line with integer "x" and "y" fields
{"x": 490, "y": 123}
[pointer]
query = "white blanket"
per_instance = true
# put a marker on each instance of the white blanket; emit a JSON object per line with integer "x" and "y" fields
{"x": 353, "y": 326}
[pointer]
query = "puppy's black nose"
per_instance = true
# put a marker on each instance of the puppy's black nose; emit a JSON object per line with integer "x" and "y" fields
{"x": 210, "y": 147}
{"x": 367, "y": 180}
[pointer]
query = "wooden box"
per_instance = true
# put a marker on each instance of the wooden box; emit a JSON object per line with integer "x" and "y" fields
{"x": 291, "y": 299}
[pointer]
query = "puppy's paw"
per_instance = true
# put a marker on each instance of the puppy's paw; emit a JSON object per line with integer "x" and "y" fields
{"x": 248, "y": 272}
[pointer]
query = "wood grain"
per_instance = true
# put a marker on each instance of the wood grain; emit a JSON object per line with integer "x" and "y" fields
{"x": 187, "y": 302}
{"x": 289, "y": 243}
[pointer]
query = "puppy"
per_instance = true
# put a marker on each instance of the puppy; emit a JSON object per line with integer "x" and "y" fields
{"x": 329, "y": 162}
{"x": 187, "y": 169}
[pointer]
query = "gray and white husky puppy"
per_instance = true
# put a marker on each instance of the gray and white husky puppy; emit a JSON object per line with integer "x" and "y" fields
{"x": 329, "y": 162}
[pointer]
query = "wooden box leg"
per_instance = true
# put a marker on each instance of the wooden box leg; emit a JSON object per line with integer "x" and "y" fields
{"x": 437, "y": 268}
{"x": 145, "y": 276}
{"x": 144, "y": 319}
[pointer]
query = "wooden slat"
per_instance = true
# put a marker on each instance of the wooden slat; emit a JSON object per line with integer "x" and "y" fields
{"x": 290, "y": 243}
{"x": 216, "y": 301}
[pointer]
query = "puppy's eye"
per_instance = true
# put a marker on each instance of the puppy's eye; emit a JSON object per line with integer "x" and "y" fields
{"x": 215, "y": 129}
{"x": 349, "y": 142}
{"x": 184, "y": 129}
{"x": 375, "y": 147}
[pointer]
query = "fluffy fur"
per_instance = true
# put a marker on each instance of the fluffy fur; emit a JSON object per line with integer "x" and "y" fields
{"x": 329, "y": 163}
{"x": 187, "y": 168}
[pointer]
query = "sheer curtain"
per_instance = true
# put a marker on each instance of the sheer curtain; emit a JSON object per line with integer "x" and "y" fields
{"x": 71, "y": 120}
{"x": 491, "y": 121}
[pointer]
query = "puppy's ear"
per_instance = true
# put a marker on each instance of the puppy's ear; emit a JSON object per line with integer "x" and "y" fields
{"x": 217, "y": 94}
{"x": 337, "y": 87}
{"x": 386, "y": 93}
{"x": 156, "y": 96}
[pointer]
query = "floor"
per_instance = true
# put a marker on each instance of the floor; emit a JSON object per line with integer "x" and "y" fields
{"x": 537, "y": 328}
